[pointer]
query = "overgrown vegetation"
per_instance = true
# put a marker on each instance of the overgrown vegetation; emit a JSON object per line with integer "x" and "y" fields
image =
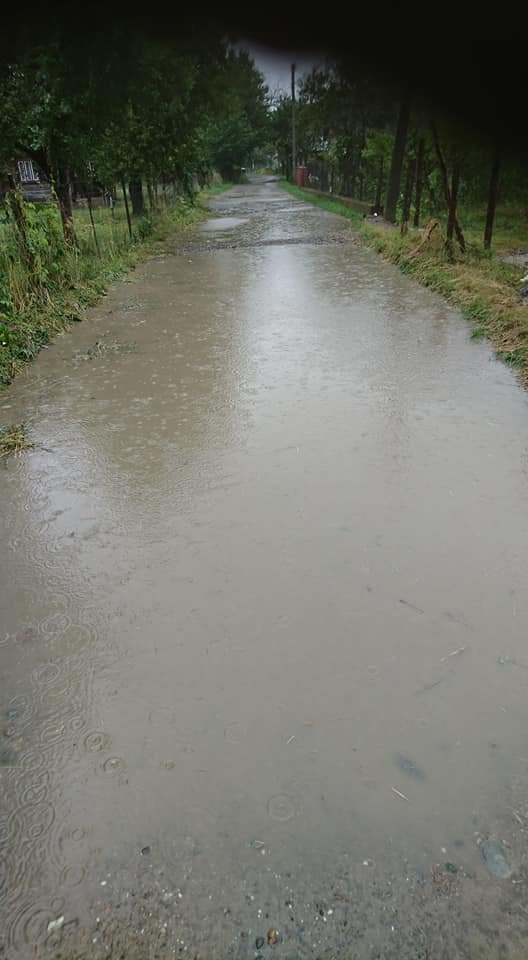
{"x": 41, "y": 293}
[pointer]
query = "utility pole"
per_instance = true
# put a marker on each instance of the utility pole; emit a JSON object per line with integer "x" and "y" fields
{"x": 293, "y": 121}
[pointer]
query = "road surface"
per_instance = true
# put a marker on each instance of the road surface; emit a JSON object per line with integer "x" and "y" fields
{"x": 264, "y": 613}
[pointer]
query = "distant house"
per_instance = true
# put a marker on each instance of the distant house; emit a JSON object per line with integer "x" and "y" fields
{"x": 36, "y": 188}
{"x": 31, "y": 182}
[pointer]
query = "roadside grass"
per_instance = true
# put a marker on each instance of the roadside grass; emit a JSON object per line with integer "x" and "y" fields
{"x": 483, "y": 287}
{"x": 510, "y": 231}
{"x": 330, "y": 204}
{"x": 213, "y": 189}
{"x": 47, "y": 289}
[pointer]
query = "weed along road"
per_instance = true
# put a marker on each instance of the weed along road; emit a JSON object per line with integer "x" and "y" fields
{"x": 264, "y": 613}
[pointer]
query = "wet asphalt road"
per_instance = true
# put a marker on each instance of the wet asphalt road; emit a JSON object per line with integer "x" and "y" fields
{"x": 264, "y": 613}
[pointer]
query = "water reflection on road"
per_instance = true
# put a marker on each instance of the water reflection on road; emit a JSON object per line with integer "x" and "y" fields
{"x": 264, "y": 613}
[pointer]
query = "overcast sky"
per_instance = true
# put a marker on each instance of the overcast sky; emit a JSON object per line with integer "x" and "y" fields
{"x": 276, "y": 66}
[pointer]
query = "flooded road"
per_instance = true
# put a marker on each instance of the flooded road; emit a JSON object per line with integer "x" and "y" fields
{"x": 264, "y": 668}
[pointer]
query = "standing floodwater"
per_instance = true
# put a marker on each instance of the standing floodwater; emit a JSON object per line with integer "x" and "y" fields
{"x": 264, "y": 678}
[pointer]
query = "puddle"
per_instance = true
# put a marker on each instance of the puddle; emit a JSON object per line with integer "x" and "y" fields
{"x": 221, "y": 223}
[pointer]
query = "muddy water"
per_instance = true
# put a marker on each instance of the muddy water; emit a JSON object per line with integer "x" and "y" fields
{"x": 264, "y": 613}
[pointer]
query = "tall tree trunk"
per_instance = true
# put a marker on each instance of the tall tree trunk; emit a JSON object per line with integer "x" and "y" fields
{"x": 393, "y": 188}
{"x": 361, "y": 184}
{"x": 458, "y": 228}
{"x": 419, "y": 181}
{"x": 451, "y": 210}
{"x": 379, "y": 188}
{"x": 409, "y": 183}
{"x": 150, "y": 191}
{"x": 441, "y": 163}
{"x": 493, "y": 194}
{"x": 127, "y": 210}
{"x": 64, "y": 198}
{"x": 135, "y": 187}
{"x": 451, "y": 213}
{"x": 88, "y": 190}
{"x": 353, "y": 177}
{"x": 358, "y": 165}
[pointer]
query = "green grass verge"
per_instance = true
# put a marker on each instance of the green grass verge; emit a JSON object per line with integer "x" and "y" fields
{"x": 40, "y": 296}
{"x": 510, "y": 230}
{"x": 326, "y": 203}
{"x": 213, "y": 189}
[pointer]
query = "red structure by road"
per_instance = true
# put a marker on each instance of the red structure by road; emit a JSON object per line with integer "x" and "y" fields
{"x": 301, "y": 176}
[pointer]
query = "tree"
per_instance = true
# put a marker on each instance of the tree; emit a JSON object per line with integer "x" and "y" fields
{"x": 123, "y": 102}
{"x": 39, "y": 120}
{"x": 240, "y": 125}
{"x": 279, "y": 131}
{"x": 408, "y": 191}
{"x": 336, "y": 108}
{"x": 376, "y": 154}
{"x": 419, "y": 174}
{"x": 450, "y": 189}
{"x": 398, "y": 152}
